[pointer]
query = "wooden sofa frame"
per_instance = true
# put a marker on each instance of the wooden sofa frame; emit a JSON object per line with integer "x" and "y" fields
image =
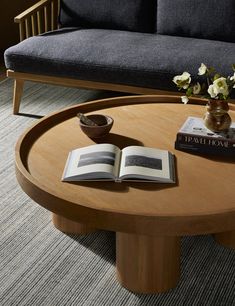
{"x": 40, "y": 18}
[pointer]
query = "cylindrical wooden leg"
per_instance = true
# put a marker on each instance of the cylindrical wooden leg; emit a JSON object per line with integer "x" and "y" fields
{"x": 70, "y": 227}
{"x": 226, "y": 239}
{"x": 147, "y": 264}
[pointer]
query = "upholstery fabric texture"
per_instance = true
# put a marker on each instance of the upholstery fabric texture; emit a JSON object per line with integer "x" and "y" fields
{"x": 210, "y": 19}
{"x": 138, "y": 59}
{"x": 131, "y": 15}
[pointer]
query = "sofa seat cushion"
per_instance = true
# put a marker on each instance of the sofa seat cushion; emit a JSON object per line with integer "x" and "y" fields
{"x": 139, "y": 59}
{"x": 208, "y": 19}
{"x": 128, "y": 15}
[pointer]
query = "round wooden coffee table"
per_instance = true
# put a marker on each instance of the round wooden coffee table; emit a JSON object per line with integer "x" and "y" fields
{"x": 148, "y": 218}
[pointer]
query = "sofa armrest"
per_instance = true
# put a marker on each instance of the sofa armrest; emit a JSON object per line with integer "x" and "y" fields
{"x": 39, "y": 18}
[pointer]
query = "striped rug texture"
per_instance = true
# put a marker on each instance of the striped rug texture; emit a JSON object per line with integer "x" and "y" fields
{"x": 40, "y": 266}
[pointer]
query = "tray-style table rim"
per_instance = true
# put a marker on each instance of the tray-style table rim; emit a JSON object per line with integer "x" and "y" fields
{"x": 38, "y": 192}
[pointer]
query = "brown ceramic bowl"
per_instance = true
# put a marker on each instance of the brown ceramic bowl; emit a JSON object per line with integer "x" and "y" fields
{"x": 104, "y": 125}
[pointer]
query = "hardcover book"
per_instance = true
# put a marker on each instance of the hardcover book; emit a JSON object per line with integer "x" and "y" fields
{"x": 194, "y": 136}
{"x": 108, "y": 162}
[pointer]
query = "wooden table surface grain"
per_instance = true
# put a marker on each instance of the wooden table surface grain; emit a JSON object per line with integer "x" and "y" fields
{"x": 148, "y": 218}
{"x": 201, "y": 201}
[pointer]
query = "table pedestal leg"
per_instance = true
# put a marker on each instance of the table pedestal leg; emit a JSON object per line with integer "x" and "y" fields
{"x": 70, "y": 227}
{"x": 147, "y": 264}
{"x": 226, "y": 239}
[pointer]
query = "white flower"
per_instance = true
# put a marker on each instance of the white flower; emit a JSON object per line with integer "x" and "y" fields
{"x": 221, "y": 86}
{"x": 211, "y": 91}
{"x": 183, "y": 80}
{"x": 184, "y": 99}
{"x": 202, "y": 69}
{"x": 217, "y": 86}
{"x": 233, "y": 79}
{"x": 196, "y": 89}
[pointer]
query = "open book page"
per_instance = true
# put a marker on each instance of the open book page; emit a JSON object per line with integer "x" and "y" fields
{"x": 143, "y": 163}
{"x": 99, "y": 161}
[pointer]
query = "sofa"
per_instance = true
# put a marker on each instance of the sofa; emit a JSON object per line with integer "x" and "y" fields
{"x": 134, "y": 46}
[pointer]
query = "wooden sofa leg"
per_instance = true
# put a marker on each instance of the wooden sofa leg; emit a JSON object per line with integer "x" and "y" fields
{"x": 18, "y": 90}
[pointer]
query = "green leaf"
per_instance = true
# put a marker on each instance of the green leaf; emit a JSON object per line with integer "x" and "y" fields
{"x": 189, "y": 91}
{"x": 233, "y": 66}
{"x": 217, "y": 76}
{"x": 210, "y": 70}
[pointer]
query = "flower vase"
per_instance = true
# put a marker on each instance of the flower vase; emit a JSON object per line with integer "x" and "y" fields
{"x": 217, "y": 118}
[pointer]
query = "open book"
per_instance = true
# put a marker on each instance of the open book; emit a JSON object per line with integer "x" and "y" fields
{"x": 108, "y": 162}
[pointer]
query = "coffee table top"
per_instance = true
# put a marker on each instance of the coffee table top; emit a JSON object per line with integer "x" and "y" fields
{"x": 202, "y": 200}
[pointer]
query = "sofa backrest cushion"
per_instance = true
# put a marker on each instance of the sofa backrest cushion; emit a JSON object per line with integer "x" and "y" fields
{"x": 129, "y": 15}
{"x": 208, "y": 19}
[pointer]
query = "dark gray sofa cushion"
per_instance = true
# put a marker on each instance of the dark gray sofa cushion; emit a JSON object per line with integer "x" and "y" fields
{"x": 129, "y": 15}
{"x": 139, "y": 59}
{"x": 209, "y": 19}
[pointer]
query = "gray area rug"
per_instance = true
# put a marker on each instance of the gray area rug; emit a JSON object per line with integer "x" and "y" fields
{"x": 40, "y": 266}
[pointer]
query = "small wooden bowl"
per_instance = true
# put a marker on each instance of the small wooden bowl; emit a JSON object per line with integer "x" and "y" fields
{"x": 104, "y": 125}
